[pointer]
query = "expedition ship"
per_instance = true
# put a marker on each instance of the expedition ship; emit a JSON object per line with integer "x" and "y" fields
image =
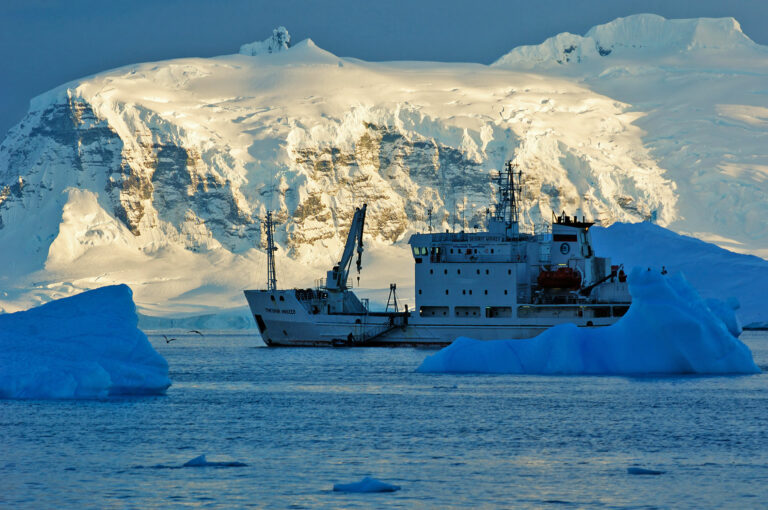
{"x": 496, "y": 284}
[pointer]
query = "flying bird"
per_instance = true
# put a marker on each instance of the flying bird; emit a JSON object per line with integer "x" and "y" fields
{"x": 196, "y": 331}
{"x": 168, "y": 340}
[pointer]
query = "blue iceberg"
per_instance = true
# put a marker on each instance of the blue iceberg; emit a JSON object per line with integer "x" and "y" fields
{"x": 669, "y": 329}
{"x": 84, "y": 346}
{"x": 367, "y": 484}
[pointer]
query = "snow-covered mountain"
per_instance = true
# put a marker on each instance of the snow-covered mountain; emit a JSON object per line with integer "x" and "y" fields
{"x": 156, "y": 174}
{"x": 702, "y": 88}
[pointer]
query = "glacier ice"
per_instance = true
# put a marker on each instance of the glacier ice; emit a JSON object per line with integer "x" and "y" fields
{"x": 84, "y": 346}
{"x": 367, "y": 484}
{"x": 669, "y": 329}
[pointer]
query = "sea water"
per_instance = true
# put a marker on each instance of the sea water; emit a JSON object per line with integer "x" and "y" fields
{"x": 302, "y": 420}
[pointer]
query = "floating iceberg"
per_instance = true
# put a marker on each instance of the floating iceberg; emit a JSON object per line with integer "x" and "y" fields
{"x": 85, "y": 346}
{"x": 201, "y": 461}
{"x": 669, "y": 329}
{"x": 367, "y": 484}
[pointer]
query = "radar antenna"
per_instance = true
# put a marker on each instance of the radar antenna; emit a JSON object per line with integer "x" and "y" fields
{"x": 271, "y": 249}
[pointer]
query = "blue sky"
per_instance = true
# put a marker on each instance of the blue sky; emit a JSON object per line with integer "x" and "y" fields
{"x": 44, "y": 43}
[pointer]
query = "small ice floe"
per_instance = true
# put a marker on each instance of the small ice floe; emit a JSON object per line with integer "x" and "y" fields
{"x": 201, "y": 461}
{"x": 367, "y": 484}
{"x": 643, "y": 471}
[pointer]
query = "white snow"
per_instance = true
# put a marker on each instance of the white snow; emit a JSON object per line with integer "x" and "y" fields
{"x": 668, "y": 330}
{"x": 367, "y": 484}
{"x": 82, "y": 347}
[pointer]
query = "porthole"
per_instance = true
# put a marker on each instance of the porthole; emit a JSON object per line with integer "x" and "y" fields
{"x": 446, "y": 292}
{"x": 419, "y": 291}
{"x": 478, "y": 271}
{"x": 486, "y": 292}
{"x": 509, "y": 271}
{"x": 470, "y": 292}
{"x": 486, "y": 271}
{"x": 458, "y": 271}
{"x": 445, "y": 271}
{"x": 431, "y": 271}
{"x": 463, "y": 291}
{"x": 505, "y": 292}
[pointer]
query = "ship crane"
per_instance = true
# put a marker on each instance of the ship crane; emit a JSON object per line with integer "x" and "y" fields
{"x": 337, "y": 277}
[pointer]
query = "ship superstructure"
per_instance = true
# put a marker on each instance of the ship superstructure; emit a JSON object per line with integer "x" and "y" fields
{"x": 499, "y": 283}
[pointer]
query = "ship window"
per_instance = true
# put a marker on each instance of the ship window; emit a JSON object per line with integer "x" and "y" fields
{"x": 463, "y": 291}
{"x": 467, "y": 311}
{"x": 485, "y": 292}
{"x": 446, "y": 292}
{"x": 458, "y": 271}
{"x": 419, "y": 291}
{"x": 431, "y": 311}
{"x": 509, "y": 271}
{"x": 431, "y": 271}
{"x": 505, "y": 292}
{"x": 282, "y": 298}
{"x": 486, "y": 271}
{"x": 498, "y": 311}
{"x": 478, "y": 271}
{"x": 475, "y": 250}
{"x": 451, "y": 250}
{"x": 445, "y": 271}
{"x": 491, "y": 250}
{"x": 272, "y": 298}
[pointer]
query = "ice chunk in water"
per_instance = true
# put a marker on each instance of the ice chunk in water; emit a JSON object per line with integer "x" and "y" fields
{"x": 367, "y": 484}
{"x": 84, "y": 346}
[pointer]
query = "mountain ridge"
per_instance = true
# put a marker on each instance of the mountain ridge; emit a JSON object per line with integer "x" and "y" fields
{"x": 171, "y": 164}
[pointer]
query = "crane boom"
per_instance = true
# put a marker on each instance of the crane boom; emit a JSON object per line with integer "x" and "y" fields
{"x": 337, "y": 277}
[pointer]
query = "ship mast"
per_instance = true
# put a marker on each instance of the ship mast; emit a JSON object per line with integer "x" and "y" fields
{"x": 507, "y": 210}
{"x": 271, "y": 249}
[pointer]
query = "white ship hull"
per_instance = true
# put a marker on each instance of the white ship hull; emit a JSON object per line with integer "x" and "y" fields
{"x": 287, "y": 322}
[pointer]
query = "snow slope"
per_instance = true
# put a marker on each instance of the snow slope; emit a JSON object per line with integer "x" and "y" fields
{"x": 156, "y": 174}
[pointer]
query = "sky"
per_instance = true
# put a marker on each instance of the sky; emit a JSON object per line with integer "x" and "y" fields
{"x": 44, "y": 43}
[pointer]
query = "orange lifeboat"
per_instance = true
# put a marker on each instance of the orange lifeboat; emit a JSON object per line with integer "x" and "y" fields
{"x": 562, "y": 278}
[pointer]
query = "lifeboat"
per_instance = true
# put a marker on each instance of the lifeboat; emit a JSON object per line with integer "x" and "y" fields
{"x": 562, "y": 278}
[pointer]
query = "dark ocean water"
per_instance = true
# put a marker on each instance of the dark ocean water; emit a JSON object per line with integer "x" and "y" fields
{"x": 304, "y": 419}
